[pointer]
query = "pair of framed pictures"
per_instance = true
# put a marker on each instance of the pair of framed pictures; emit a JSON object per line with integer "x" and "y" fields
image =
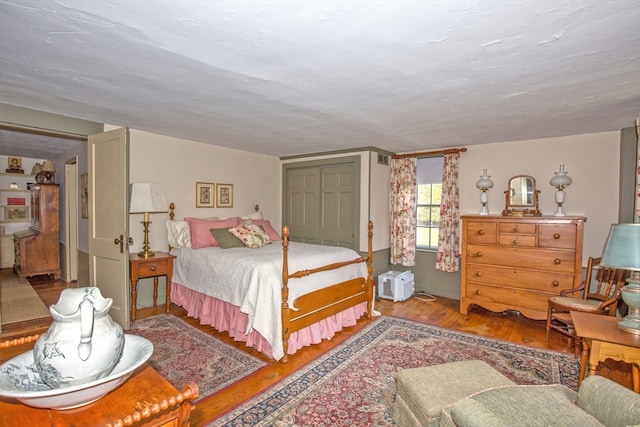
{"x": 210, "y": 195}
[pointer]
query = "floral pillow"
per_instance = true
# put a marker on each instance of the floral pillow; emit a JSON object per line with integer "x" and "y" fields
{"x": 179, "y": 234}
{"x": 251, "y": 234}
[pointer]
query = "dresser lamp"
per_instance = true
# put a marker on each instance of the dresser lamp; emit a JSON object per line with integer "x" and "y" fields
{"x": 47, "y": 173}
{"x": 622, "y": 251}
{"x": 560, "y": 181}
{"x": 484, "y": 184}
{"x": 146, "y": 199}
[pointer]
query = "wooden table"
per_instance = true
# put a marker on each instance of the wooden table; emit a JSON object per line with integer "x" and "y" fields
{"x": 144, "y": 399}
{"x": 601, "y": 339}
{"x": 140, "y": 268}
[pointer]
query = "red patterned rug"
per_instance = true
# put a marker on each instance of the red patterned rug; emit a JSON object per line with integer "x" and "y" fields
{"x": 183, "y": 353}
{"x": 354, "y": 384}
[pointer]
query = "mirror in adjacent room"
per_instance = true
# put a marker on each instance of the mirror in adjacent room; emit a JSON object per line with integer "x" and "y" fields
{"x": 521, "y": 197}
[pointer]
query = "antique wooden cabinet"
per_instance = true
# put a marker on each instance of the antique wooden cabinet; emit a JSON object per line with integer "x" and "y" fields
{"x": 37, "y": 250}
{"x": 517, "y": 263}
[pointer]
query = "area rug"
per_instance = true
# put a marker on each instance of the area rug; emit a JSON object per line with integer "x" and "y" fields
{"x": 183, "y": 353}
{"x": 19, "y": 301}
{"x": 354, "y": 383}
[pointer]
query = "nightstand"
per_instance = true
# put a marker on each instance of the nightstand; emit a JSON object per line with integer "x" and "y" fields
{"x": 141, "y": 268}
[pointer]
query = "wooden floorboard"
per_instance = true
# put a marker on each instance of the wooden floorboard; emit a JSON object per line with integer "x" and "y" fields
{"x": 442, "y": 312}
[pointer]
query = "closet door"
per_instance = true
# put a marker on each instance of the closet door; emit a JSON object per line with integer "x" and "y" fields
{"x": 321, "y": 201}
{"x": 337, "y": 218}
{"x": 302, "y": 210}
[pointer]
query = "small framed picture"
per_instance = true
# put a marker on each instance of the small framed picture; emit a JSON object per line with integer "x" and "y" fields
{"x": 205, "y": 195}
{"x": 224, "y": 194}
{"x": 14, "y": 164}
{"x": 84, "y": 195}
{"x": 16, "y": 213}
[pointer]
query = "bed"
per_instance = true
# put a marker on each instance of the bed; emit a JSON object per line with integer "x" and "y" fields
{"x": 277, "y": 297}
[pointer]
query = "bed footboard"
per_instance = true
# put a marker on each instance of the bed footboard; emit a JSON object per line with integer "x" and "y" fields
{"x": 318, "y": 305}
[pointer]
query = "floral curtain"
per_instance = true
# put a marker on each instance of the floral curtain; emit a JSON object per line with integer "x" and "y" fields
{"x": 403, "y": 211}
{"x": 448, "y": 255}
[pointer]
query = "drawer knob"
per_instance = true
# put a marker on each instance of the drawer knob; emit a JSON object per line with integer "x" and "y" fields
{"x": 153, "y": 268}
{"x": 478, "y": 273}
{"x": 557, "y": 261}
{"x": 478, "y": 292}
{"x": 515, "y": 229}
{"x": 555, "y": 283}
{"x": 478, "y": 254}
{"x": 481, "y": 232}
{"x": 556, "y": 236}
{"x": 516, "y": 242}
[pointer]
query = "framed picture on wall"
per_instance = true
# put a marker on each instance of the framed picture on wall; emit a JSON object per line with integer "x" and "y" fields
{"x": 205, "y": 194}
{"x": 225, "y": 195}
{"x": 16, "y": 213}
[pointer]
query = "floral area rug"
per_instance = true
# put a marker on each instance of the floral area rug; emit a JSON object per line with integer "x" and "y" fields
{"x": 183, "y": 353}
{"x": 354, "y": 384}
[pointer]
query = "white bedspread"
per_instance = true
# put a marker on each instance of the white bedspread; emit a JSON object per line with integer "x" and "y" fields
{"x": 252, "y": 278}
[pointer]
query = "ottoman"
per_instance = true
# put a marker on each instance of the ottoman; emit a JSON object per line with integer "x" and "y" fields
{"x": 423, "y": 392}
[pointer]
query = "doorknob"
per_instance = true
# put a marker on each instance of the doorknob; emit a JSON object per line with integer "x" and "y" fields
{"x": 120, "y": 242}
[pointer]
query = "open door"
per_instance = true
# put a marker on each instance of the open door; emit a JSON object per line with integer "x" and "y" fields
{"x": 108, "y": 219}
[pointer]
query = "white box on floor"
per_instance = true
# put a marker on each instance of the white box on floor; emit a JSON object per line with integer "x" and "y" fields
{"x": 396, "y": 285}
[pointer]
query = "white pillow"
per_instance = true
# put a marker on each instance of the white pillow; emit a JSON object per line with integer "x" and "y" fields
{"x": 179, "y": 234}
{"x": 252, "y": 215}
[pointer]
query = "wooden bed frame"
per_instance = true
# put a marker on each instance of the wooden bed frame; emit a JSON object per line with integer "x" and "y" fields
{"x": 320, "y": 304}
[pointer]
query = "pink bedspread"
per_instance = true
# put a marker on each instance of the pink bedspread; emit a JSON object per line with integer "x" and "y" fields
{"x": 227, "y": 317}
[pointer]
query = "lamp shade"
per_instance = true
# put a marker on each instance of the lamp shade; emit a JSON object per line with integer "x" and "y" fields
{"x": 484, "y": 183}
{"x": 622, "y": 249}
{"x": 47, "y": 166}
{"x": 560, "y": 178}
{"x": 147, "y": 198}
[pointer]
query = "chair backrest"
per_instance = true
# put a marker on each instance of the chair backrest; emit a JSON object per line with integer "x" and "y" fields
{"x": 606, "y": 285}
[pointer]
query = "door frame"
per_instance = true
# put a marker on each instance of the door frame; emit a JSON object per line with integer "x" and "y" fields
{"x": 71, "y": 197}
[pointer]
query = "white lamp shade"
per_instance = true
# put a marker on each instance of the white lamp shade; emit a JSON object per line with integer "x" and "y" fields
{"x": 47, "y": 166}
{"x": 622, "y": 249}
{"x": 147, "y": 198}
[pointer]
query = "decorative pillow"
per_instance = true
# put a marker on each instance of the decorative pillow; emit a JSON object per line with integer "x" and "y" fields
{"x": 179, "y": 234}
{"x": 251, "y": 235}
{"x": 266, "y": 226}
{"x": 201, "y": 237}
{"x": 225, "y": 239}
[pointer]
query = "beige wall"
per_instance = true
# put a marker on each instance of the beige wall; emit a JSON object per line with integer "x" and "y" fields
{"x": 592, "y": 161}
{"x": 177, "y": 164}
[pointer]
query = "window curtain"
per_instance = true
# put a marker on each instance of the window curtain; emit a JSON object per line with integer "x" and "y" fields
{"x": 448, "y": 256}
{"x": 403, "y": 211}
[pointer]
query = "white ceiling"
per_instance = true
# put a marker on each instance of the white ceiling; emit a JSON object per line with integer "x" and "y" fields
{"x": 293, "y": 77}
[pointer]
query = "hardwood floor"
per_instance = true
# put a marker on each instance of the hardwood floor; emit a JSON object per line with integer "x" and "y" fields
{"x": 442, "y": 312}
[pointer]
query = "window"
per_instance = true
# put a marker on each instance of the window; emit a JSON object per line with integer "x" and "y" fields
{"x": 429, "y": 181}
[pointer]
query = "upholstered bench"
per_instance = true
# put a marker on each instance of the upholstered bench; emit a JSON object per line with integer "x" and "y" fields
{"x": 423, "y": 392}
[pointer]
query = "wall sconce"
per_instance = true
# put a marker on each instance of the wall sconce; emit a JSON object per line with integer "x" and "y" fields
{"x": 622, "y": 251}
{"x": 484, "y": 184}
{"x": 146, "y": 199}
{"x": 47, "y": 172}
{"x": 560, "y": 181}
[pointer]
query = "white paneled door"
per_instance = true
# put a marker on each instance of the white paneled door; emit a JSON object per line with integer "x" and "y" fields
{"x": 108, "y": 219}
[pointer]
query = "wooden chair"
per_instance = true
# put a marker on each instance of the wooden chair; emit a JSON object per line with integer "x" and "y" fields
{"x": 604, "y": 299}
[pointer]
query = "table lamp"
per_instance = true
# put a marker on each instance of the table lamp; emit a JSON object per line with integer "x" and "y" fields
{"x": 484, "y": 184}
{"x": 622, "y": 251}
{"x": 147, "y": 198}
{"x": 561, "y": 181}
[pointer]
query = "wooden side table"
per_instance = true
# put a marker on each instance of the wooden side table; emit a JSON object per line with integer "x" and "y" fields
{"x": 140, "y": 268}
{"x": 145, "y": 398}
{"x": 601, "y": 339}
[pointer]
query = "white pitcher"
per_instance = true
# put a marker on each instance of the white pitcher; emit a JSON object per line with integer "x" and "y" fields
{"x": 83, "y": 343}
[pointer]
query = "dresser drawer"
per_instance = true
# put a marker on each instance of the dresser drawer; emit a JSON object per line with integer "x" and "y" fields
{"x": 152, "y": 268}
{"x": 517, "y": 228}
{"x": 482, "y": 232}
{"x": 507, "y": 296}
{"x": 557, "y": 236}
{"x": 535, "y": 258}
{"x": 539, "y": 281}
{"x": 517, "y": 240}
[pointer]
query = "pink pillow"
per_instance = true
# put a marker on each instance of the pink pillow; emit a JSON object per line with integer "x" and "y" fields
{"x": 266, "y": 225}
{"x": 201, "y": 237}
